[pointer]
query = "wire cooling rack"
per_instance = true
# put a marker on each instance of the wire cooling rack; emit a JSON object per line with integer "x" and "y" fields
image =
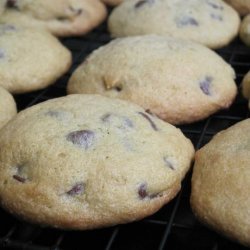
{"x": 174, "y": 226}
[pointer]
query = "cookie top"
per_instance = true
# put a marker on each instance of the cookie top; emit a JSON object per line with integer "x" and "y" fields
{"x": 245, "y": 30}
{"x": 60, "y": 17}
{"x": 7, "y": 107}
{"x": 220, "y": 183}
{"x": 112, "y": 2}
{"x": 246, "y": 87}
{"x": 30, "y": 59}
{"x": 242, "y": 6}
{"x": 87, "y": 161}
{"x": 178, "y": 80}
{"x": 210, "y": 22}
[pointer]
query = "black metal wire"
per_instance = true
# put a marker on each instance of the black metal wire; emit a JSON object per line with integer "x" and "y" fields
{"x": 174, "y": 226}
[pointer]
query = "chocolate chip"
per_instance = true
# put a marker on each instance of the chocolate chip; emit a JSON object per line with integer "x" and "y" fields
{"x": 8, "y": 27}
{"x": 187, "y": 21}
{"x": 118, "y": 88}
{"x": 143, "y": 194}
{"x": 216, "y": 17}
{"x": 106, "y": 117}
{"x": 142, "y": 191}
{"x": 149, "y": 119}
{"x": 53, "y": 113}
{"x": 19, "y": 178}
{"x": 62, "y": 18}
{"x": 205, "y": 85}
{"x": 82, "y": 138}
{"x": 76, "y": 11}
{"x": 215, "y": 6}
{"x": 12, "y": 3}
{"x": 168, "y": 163}
{"x": 126, "y": 122}
{"x": 77, "y": 189}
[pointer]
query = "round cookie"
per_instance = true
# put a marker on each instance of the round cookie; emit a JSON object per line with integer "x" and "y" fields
{"x": 30, "y": 59}
{"x": 246, "y": 87}
{"x": 245, "y": 30}
{"x": 209, "y": 22}
{"x": 220, "y": 183}
{"x": 7, "y": 107}
{"x": 242, "y": 6}
{"x": 177, "y": 80}
{"x": 112, "y": 2}
{"x": 60, "y": 17}
{"x": 87, "y": 161}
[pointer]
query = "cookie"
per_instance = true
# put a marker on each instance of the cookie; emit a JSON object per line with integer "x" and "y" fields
{"x": 30, "y": 59}
{"x": 177, "y": 80}
{"x": 242, "y": 6}
{"x": 60, "y": 17}
{"x": 112, "y": 2}
{"x": 209, "y": 22}
{"x": 220, "y": 183}
{"x": 87, "y": 161}
{"x": 7, "y": 107}
{"x": 246, "y": 87}
{"x": 245, "y": 30}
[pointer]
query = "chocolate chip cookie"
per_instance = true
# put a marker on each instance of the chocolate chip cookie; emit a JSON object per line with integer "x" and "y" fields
{"x": 177, "y": 80}
{"x": 220, "y": 194}
{"x": 30, "y": 59}
{"x": 87, "y": 161}
{"x": 210, "y": 22}
{"x": 7, "y": 107}
{"x": 60, "y": 17}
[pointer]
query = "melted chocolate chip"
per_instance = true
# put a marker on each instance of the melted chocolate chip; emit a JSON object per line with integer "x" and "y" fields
{"x": 19, "y": 178}
{"x": 205, "y": 85}
{"x": 126, "y": 122}
{"x": 82, "y": 138}
{"x": 118, "y": 88}
{"x": 62, "y": 18}
{"x": 216, "y": 17}
{"x": 53, "y": 113}
{"x": 76, "y": 189}
{"x": 149, "y": 120}
{"x": 76, "y": 11}
{"x": 187, "y": 21}
{"x": 140, "y": 3}
{"x": 142, "y": 191}
{"x": 215, "y": 6}
{"x": 168, "y": 163}
{"x": 143, "y": 2}
{"x": 143, "y": 194}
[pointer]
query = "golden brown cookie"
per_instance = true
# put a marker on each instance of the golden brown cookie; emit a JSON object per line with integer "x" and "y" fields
{"x": 60, "y": 17}
{"x": 212, "y": 23}
{"x": 220, "y": 183}
{"x": 30, "y": 59}
{"x": 177, "y": 80}
{"x": 87, "y": 161}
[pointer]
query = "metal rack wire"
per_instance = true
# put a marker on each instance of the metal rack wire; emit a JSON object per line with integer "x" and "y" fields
{"x": 174, "y": 226}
